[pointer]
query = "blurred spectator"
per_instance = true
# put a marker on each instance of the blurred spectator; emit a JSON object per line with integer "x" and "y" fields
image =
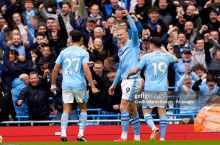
{"x": 184, "y": 62}
{"x": 200, "y": 72}
{"x": 141, "y": 10}
{"x": 6, "y": 105}
{"x": 180, "y": 44}
{"x": 17, "y": 85}
{"x": 29, "y": 12}
{"x": 157, "y": 26}
{"x": 198, "y": 53}
{"x": 207, "y": 120}
{"x": 58, "y": 36}
{"x": 36, "y": 94}
{"x": 205, "y": 90}
{"x": 187, "y": 97}
{"x": 109, "y": 9}
{"x": 97, "y": 50}
{"x": 12, "y": 68}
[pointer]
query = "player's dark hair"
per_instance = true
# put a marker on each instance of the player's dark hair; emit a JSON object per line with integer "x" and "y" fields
{"x": 155, "y": 41}
{"x": 76, "y": 35}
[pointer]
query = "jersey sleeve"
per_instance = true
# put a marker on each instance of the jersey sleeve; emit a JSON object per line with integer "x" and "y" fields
{"x": 142, "y": 63}
{"x": 85, "y": 59}
{"x": 59, "y": 59}
{"x": 171, "y": 58}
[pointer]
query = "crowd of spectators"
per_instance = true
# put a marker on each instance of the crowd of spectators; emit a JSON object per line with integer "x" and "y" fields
{"x": 34, "y": 32}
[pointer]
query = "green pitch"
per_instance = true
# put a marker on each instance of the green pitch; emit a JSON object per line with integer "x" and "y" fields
{"x": 123, "y": 143}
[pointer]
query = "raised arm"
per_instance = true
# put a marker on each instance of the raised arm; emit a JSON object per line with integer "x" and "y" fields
{"x": 134, "y": 36}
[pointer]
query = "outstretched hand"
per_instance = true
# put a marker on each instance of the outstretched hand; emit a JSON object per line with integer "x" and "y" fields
{"x": 111, "y": 90}
{"x": 95, "y": 90}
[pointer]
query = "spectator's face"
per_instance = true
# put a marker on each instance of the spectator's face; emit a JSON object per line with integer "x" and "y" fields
{"x": 90, "y": 26}
{"x": 13, "y": 1}
{"x": 199, "y": 73}
{"x": 98, "y": 69}
{"x": 211, "y": 85}
{"x": 122, "y": 36}
{"x": 44, "y": 66}
{"x": 55, "y": 27}
{"x": 114, "y": 3}
{"x": 190, "y": 10}
{"x": 154, "y": 16}
{"x": 110, "y": 23}
{"x": 26, "y": 80}
{"x": 95, "y": 10}
{"x": 217, "y": 55}
{"x": 42, "y": 29}
{"x": 181, "y": 39}
{"x": 217, "y": 2}
{"x": 65, "y": 9}
{"x": 98, "y": 33}
{"x": 98, "y": 43}
{"x": 214, "y": 35}
{"x": 46, "y": 51}
{"x": 11, "y": 57}
{"x": 2, "y": 23}
{"x": 213, "y": 17}
{"x": 163, "y": 4}
{"x": 123, "y": 26}
{"x": 118, "y": 15}
{"x": 16, "y": 40}
{"x": 16, "y": 18}
{"x": 34, "y": 79}
{"x": 74, "y": 5}
{"x": 140, "y": 3}
{"x": 50, "y": 23}
{"x": 108, "y": 64}
{"x": 111, "y": 76}
{"x": 39, "y": 39}
{"x": 16, "y": 32}
{"x": 28, "y": 6}
{"x": 189, "y": 27}
{"x": 187, "y": 81}
{"x": 145, "y": 44}
{"x": 34, "y": 22}
{"x": 186, "y": 56}
{"x": 200, "y": 44}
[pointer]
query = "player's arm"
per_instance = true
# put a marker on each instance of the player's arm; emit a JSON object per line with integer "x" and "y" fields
{"x": 115, "y": 82}
{"x": 140, "y": 66}
{"x": 133, "y": 72}
{"x": 54, "y": 78}
{"x": 117, "y": 78}
{"x": 89, "y": 78}
{"x": 134, "y": 29}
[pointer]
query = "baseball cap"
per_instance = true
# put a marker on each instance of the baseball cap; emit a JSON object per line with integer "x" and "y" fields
{"x": 90, "y": 19}
{"x": 186, "y": 50}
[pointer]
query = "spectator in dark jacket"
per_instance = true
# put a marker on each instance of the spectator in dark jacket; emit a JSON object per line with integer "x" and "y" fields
{"x": 37, "y": 94}
{"x": 6, "y": 105}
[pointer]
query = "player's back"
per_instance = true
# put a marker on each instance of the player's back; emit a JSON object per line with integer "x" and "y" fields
{"x": 72, "y": 60}
{"x": 156, "y": 70}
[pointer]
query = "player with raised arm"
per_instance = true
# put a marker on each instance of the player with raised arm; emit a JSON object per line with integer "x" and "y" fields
{"x": 74, "y": 63}
{"x": 155, "y": 95}
{"x": 129, "y": 54}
